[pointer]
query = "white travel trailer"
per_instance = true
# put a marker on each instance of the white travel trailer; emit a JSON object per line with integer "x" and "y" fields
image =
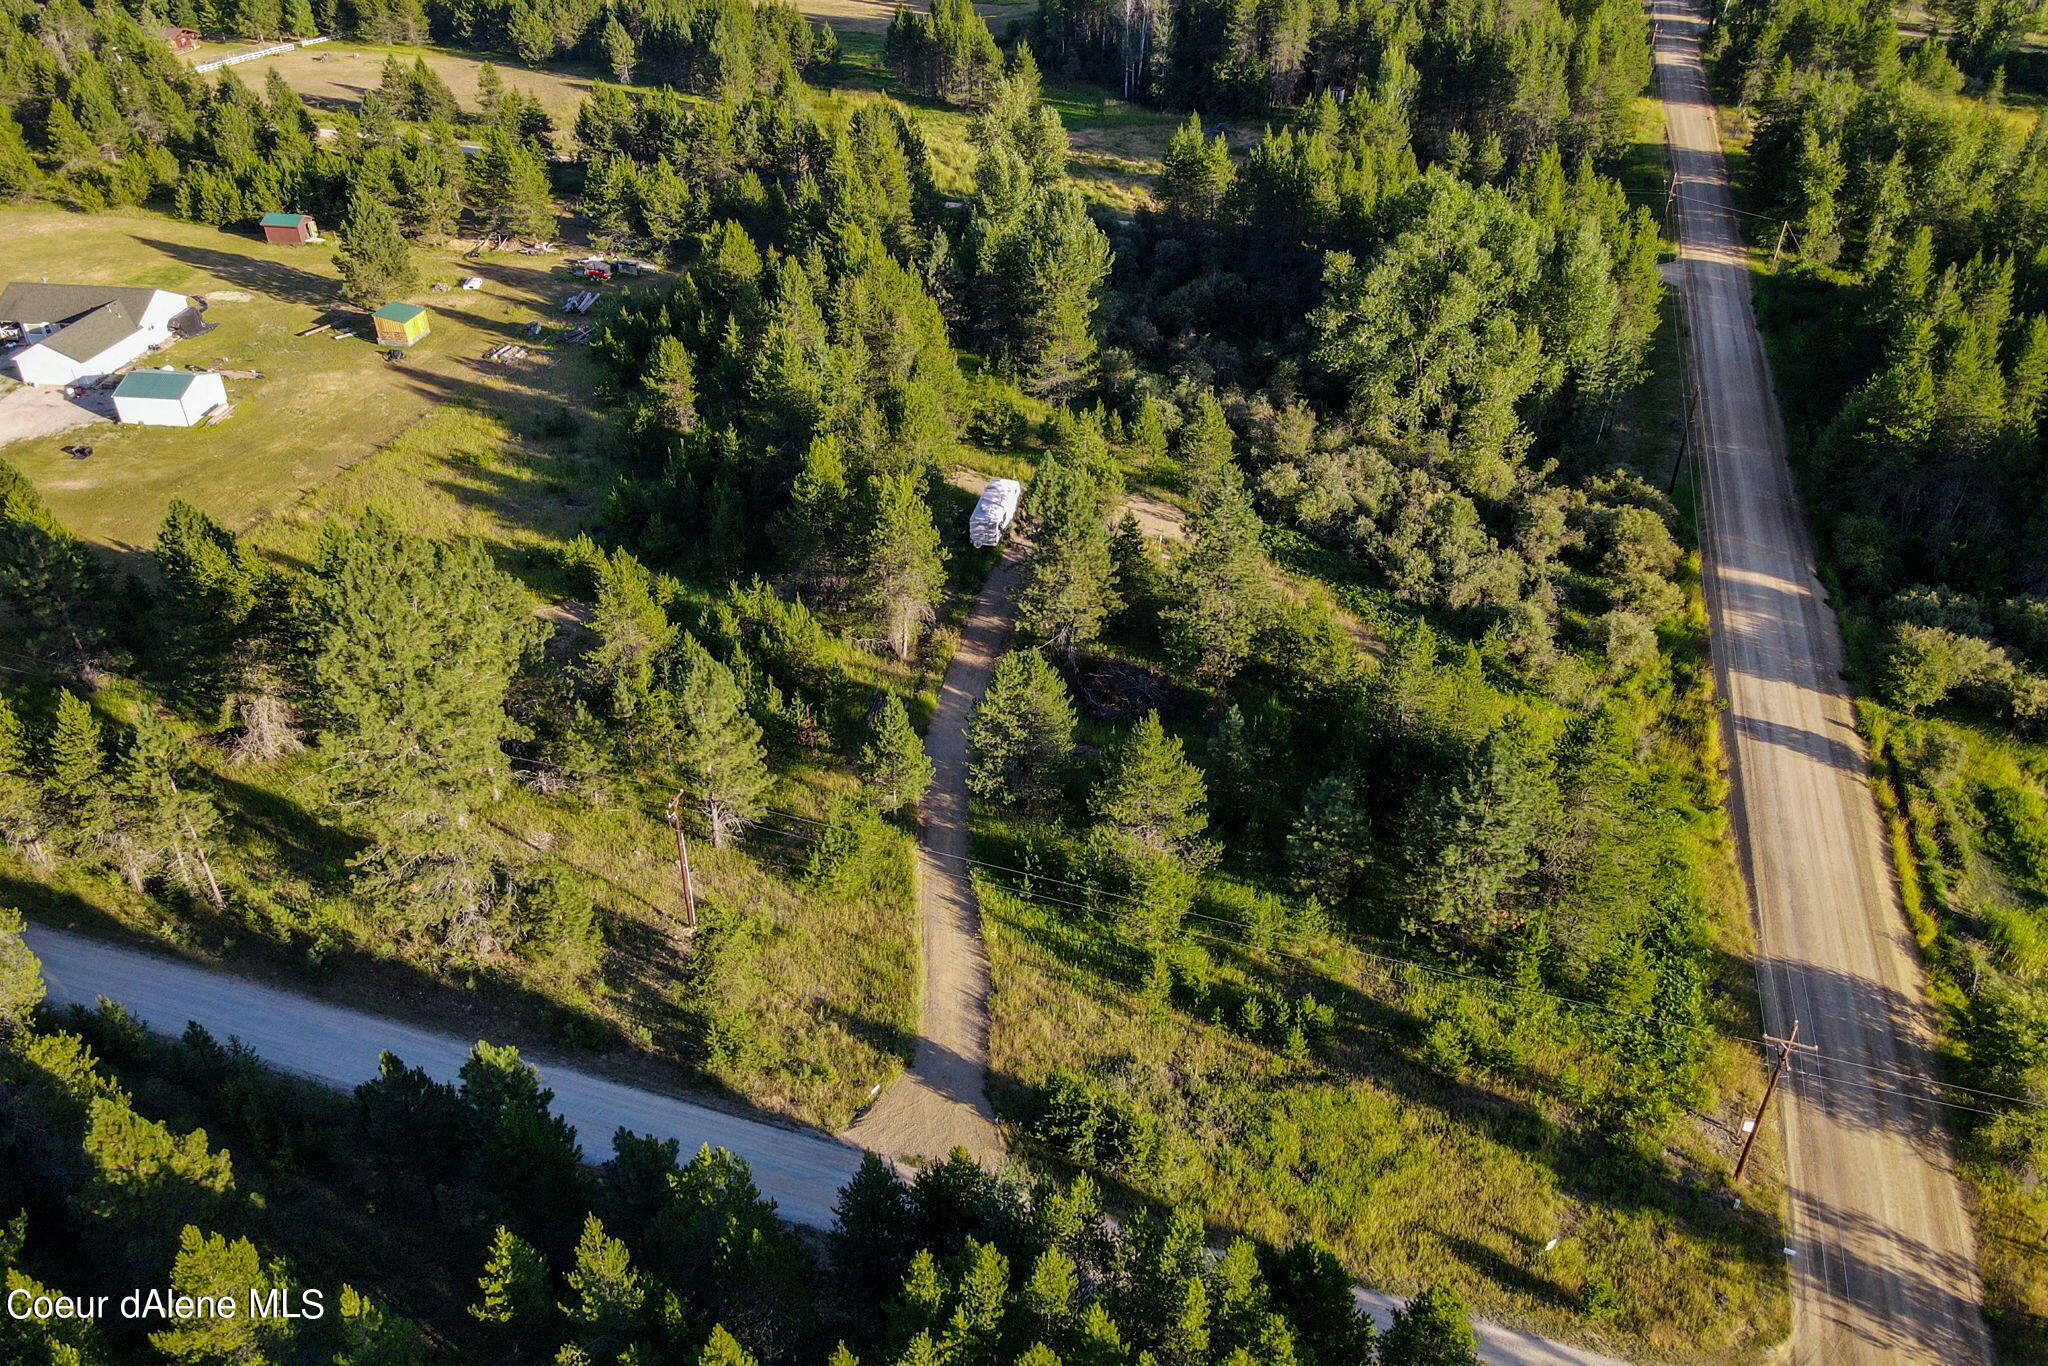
{"x": 994, "y": 513}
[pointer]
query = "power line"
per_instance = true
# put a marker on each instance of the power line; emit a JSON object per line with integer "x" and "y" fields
{"x": 1441, "y": 971}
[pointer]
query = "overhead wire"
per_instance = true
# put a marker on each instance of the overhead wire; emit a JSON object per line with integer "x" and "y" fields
{"x": 1442, "y": 971}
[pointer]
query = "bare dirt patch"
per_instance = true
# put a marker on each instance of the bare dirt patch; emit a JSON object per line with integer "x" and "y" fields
{"x": 28, "y": 412}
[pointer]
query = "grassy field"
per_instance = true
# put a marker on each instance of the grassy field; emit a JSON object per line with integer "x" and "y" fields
{"x": 338, "y": 74}
{"x": 323, "y": 403}
{"x": 1412, "y": 1170}
{"x": 516, "y": 459}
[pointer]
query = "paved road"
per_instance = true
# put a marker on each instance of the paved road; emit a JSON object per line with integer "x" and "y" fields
{"x": 800, "y": 1170}
{"x": 1884, "y": 1261}
{"x": 941, "y": 1103}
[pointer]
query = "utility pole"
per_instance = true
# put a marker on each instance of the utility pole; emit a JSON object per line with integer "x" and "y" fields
{"x": 1684, "y": 444}
{"x": 1784, "y": 226}
{"x": 1785, "y": 1047}
{"x": 675, "y": 821}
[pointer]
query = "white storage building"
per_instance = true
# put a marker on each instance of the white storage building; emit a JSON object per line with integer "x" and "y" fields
{"x": 168, "y": 398}
{"x": 74, "y": 333}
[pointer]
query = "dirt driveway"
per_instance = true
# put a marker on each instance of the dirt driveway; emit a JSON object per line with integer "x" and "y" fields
{"x": 29, "y": 412}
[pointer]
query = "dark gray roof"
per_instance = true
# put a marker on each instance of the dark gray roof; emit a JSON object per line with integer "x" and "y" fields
{"x": 28, "y": 302}
{"x": 92, "y": 334}
{"x": 94, "y": 317}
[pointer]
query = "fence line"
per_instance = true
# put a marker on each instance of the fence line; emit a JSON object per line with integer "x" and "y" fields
{"x": 240, "y": 57}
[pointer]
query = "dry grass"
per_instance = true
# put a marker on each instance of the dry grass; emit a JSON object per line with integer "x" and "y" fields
{"x": 338, "y": 74}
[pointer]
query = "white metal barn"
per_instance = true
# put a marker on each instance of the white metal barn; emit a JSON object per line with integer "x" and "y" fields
{"x": 73, "y": 333}
{"x": 168, "y": 398}
{"x": 994, "y": 513}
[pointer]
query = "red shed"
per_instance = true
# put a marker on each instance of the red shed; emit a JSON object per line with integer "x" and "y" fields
{"x": 290, "y": 228}
{"x": 180, "y": 39}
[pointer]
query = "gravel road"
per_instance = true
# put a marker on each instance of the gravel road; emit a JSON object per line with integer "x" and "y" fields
{"x": 1883, "y": 1260}
{"x": 941, "y": 1103}
{"x": 800, "y": 1170}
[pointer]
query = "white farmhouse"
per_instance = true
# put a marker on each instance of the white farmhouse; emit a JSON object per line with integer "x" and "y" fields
{"x": 72, "y": 333}
{"x": 168, "y": 398}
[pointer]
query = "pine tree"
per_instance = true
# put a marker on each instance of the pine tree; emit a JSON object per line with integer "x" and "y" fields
{"x": 1433, "y": 1329}
{"x": 1196, "y": 174}
{"x": 73, "y": 762}
{"x": 523, "y": 1156}
{"x": 722, "y": 1349}
{"x": 21, "y": 977}
{"x": 23, "y": 822}
{"x": 1055, "y": 276}
{"x": 606, "y": 1293}
{"x": 508, "y": 185}
{"x": 54, "y": 586}
{"x": 1216, "y": 586}
{"x": 902, "y": 569}
{"x": 894, "y": 761}
{"x": 1477, "y": 844}
{"x": 371, "y": 1336}
{"x": 869, "y": 1246}
{"x": 1311, "y": 1287}
{"x": 1329, "y": 847}
{"x": 157, "y": 819}
{"x": 814, "y": 527}
{"x": 208, "y": 1264}
{"x": 1049, "y": 1296}
{"x": 490, "y": 91}
{"x": 619, "y": 53}
{"x": 512, "y": 1295}
{"x": 1067, "y": 593}
{"x": 1152, "y": 794}
{"x": 413, "y": 646}
{"x": 717, "y": 749}
{"x": 1022, "y": 736}
{"x": 971, "y": 1332}
{"x": 1206, "y": 445}
{"x": 631, "y": 622}
{"x": 670, "y": 383}
{"x": 533, "y": 37}
{"x": 375, "y": 262}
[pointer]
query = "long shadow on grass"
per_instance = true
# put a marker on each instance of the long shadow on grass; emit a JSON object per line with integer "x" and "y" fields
{"x": 311, "y": 847}
{"x": 273, "y": 279}
{"x": 1378, "y": 1038}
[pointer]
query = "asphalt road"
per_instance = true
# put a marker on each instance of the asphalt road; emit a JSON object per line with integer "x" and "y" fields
{"x": 800, "y": 1170}
{"x": 1883, "y": 1260}
{"x": 941, "y": 1103}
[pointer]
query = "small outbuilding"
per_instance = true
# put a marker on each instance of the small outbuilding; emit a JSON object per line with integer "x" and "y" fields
{"x": 168, "y": 398}
{"x": 400, "y": 324}
{"x": 180, "y": 39}
{"x": 290, "y": 229}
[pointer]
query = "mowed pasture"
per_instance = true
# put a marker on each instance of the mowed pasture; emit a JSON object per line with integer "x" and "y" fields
{"x": 323, "y": 403}
{"x": 338, "y": 74}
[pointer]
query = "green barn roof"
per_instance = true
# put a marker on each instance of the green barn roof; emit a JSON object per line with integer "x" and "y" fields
{"x": 283, "y": 220}
{"x": 154, "y": 384}
{"x": 399, "y": 313}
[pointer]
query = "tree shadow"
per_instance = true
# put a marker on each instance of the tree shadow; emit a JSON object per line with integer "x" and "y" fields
{"x": 273, "y": 279}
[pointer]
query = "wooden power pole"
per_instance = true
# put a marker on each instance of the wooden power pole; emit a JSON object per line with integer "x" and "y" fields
{"x": 675, "y": 821}
{"x": 1785, "y": 1047}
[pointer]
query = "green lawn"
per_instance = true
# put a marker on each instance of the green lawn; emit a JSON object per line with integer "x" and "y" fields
{"x": 323, "y": 403}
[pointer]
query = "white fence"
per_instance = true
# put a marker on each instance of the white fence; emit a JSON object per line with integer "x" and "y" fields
{"x": 241, "y": 57}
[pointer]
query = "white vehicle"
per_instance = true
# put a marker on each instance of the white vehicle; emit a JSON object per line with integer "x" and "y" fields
{"x": 994, "y": 513}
